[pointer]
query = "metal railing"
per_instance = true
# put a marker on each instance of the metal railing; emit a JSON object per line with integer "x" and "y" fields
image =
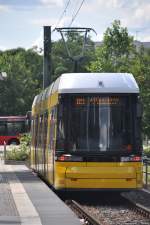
{"x": 146, "y": 171}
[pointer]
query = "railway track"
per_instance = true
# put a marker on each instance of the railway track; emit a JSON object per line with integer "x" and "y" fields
{"x": 139, "y": 208}
{"x": 123, "y": 212}
{"x": 84, "y": 215}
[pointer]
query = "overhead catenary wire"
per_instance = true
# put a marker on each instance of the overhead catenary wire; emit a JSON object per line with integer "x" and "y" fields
{"x": 77, "y": 2}
{"x": 62, "y": 15}
{"x": 75, "y": 15}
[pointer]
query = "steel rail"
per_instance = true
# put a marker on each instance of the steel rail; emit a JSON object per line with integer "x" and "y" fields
{"x": 91, "y": 220}
{"x": 144, "y": 211}
{"x": 83, "y": 213}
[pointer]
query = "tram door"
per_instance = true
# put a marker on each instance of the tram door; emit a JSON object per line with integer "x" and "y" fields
{"x": 45, "y": 121}
{"x": 52, "y": 142}
{"x": 39, "y": 152}
{"x": 36, "y": 142}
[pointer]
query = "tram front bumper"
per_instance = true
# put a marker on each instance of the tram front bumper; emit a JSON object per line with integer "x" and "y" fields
{"x": 107, "y": 176}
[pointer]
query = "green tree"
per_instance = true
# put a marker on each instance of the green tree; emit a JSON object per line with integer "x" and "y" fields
{"x": 140, "y": 67}
{"x": 116, "y": 52}
{"x": 24, "y": 70}
{"x": 25, "y": 73}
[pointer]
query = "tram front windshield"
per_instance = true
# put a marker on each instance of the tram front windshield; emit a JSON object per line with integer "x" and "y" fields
{"x": 95, "y": 123}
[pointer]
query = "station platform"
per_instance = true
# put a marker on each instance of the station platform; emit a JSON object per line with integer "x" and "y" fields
{"x": 27, "y": 200}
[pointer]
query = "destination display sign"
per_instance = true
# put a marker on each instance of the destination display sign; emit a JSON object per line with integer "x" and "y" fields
{"x": 97, "y": 101}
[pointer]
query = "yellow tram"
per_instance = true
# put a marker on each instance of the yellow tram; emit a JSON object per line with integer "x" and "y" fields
{"x": 86, "y": 132}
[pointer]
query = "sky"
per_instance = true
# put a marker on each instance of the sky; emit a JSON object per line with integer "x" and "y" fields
{"x": 22, "y": 21}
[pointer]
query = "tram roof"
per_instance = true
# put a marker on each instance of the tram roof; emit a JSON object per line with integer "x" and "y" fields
{"x": 90, "y": 83}
{"x": 96, "y": 83}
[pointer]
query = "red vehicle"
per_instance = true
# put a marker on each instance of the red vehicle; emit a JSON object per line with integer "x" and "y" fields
{"x": 11, "y": 128}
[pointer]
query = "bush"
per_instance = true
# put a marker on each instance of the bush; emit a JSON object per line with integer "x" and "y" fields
{"x": 25, "y": 139}
{"x": 147, "y": 151}
{"x": 20, "y": 152}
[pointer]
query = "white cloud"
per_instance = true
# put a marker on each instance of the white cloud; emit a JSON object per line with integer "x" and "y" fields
{"x": 124, "y": 6}
{"x": 65, "y": 21}
{"x": 2, "y": 48}
{"x": 129, "y": 4}
{"x": 44, "y": 22}
{"x": 97, "y": 38}
{"x": 139, "y": 17}
{"x": 52, "y": 22}
{"x": 146, "y": 38}
{"x": 52, "y": 2}
{"x": 38, "y": 43}
{"x": 4, "y": 8}
{"x": 143, "y": 13}
{"x": 110, "y": 4}
{"x": 121, "y": 3}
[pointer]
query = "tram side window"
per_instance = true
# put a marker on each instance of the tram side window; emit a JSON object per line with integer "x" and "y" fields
{"x": 33, "y": 131}
{"x": 40, "y": 131}
{"x": 61, "y": 129}
{"x": 36, "y": 132}
{"x": 45, "y": 129}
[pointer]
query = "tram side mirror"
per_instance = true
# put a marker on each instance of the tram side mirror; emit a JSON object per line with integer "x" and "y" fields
{"x": 139, "y": 110}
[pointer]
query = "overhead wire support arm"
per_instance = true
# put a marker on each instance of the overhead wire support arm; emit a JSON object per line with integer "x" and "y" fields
{"x": 84, "y": 42}
{"x": 75, "y": 29}
{"x": 85, "y": 30}
{"x": 67, "y": 49}
{"x": 63, "y": 30}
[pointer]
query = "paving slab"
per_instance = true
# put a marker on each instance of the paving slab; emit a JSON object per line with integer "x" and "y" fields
{"x": 8, "y": 210}
{"x": 27, "y": 200}
{"x": 50, "y": 208}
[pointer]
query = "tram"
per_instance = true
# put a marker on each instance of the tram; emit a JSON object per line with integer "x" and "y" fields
{"x": 86, "y": 132}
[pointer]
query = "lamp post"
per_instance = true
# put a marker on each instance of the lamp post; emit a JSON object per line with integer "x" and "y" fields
{"x": 47, "y": 57}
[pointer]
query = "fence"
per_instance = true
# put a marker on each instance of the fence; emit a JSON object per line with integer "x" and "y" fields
{"x": 4, "y": 152}
{"x": 146, "y": 172}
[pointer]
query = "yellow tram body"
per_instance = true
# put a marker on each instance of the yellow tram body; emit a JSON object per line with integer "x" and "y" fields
{"x": 65, "y": 174}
